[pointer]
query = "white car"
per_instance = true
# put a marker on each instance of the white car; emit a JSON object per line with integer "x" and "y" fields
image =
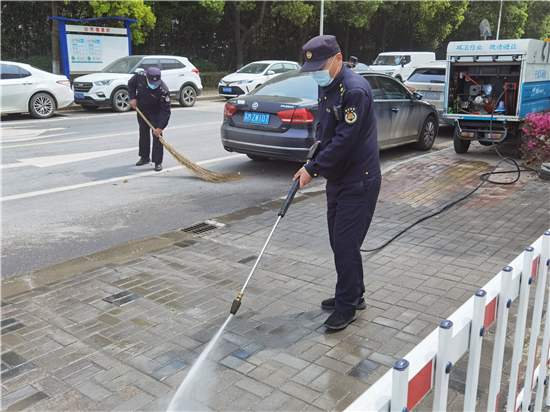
{"x": 28, "y": 89}
{"x": 429, "y": 81}
{"x": 109, "y": 87}
{"x": 252, "y": 75}
{"x": 401, "y": 64}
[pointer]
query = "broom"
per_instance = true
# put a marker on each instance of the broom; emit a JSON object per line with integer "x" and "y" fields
{"x": 195, "y": 169}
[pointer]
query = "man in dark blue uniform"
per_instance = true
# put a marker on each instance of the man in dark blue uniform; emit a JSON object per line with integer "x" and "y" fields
{"x": 352, "y": 62}
{"x": 150, "y": 94}
{"x": 349, "y": 160}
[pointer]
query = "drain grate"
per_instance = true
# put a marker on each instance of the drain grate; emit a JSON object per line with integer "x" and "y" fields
{"x": 122, "y": 298}
{"x": 202, "y": 227}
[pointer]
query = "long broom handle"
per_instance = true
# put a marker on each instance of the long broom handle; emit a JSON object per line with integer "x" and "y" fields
{"x": 145, "y": 118}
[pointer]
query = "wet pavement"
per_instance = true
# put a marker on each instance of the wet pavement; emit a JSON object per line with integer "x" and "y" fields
{"x": 119, "y": 330}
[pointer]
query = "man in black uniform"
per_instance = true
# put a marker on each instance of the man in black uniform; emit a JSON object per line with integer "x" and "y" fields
{"x": 352, "y": 62}
{"x": 150, "y": 94}
{"x": 349, "y": 160}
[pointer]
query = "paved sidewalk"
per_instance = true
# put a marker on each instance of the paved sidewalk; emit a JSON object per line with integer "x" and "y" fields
{"x": 123, "y": 335}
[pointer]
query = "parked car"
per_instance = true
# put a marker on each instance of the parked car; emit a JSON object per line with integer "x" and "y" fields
{"x": 361, "y": 67}
{"x": 401, "y": 64}
{"x": 28, "y": 89}
{"x": 253, "y": 75}
{"x": 278, "y": 119}
{"x": 109, "y": 87}
{"x": 429, "y": 81}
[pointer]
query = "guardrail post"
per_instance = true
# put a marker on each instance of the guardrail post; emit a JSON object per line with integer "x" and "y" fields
{"x": 443, "y": 366}
{"x": 543, "y": 382}
{"x": 474, "y": 358}
{"x": 400, "y": 386}
{"x": 535, "y": 328}
{"x": 521, "y": 320}
{"x": 503, "y": 309}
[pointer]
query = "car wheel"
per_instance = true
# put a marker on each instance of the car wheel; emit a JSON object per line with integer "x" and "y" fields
{"x": 90, "y": 108}
{"x": 120, "y": 102}
{"x": 42, "y": 106}
{"x": 461, "y": 146}
{"x": 426, "y": 137}
{"x": 188, "y": 96}
{"x": 258, "y": 158}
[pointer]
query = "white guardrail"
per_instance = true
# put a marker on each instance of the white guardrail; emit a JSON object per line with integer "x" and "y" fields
{"x": 429, "y": 364}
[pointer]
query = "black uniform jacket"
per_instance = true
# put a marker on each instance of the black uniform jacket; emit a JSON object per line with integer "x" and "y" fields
{"x": 349, "y": 147}
{"x": 150, "y": 100}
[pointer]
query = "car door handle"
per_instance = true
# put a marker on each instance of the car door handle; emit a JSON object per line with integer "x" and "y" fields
{"x": 394, "y": 109}
{"x": 183, "y": 74}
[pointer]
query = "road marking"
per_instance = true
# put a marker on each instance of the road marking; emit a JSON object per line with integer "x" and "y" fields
{"x": 106, "y": 135}
{"x": 10, "y": 135}
{"x": 114, "y": 179}
{"x": 46, "y": 161}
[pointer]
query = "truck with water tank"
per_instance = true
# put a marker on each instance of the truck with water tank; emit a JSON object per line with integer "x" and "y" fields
{"x": 492, "y": 85}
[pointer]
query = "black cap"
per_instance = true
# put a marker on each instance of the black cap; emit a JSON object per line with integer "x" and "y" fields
{"x": 153, "y": 75}
{"x": 317, "y": 51}
{"x": 353, "y": 59}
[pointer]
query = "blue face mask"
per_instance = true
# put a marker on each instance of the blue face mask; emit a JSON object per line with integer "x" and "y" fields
{"x": 322, "y": 77}
{"x": 153, "y": 86}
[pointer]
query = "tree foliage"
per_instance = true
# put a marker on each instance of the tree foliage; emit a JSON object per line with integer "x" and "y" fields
{"x": 206, "y": 30}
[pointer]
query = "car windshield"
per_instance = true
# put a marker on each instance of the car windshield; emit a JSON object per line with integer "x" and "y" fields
{"x": 361, "y": 66}
{"x": 124, "y": 65}
{"x": 290, "y": 84}
{"x": 253, "y": 68}
{"x": 428, "y": 76}
{"x": 388, "y": 60}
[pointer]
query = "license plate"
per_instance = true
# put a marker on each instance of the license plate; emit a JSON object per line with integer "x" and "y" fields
{"x": 227, "y": 89}
{"x": 79, "y": 95}
{"x": 257, "y": 118}
{"x": 431, "y": 95}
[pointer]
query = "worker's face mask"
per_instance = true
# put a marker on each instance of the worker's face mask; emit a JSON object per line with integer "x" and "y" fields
{"x": 152, "y": 86}
{"x": 322, "y": 77}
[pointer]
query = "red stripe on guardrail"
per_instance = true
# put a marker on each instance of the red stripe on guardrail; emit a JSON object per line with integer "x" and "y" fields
{"x": 490, "y": 313}
{"x": 420, "y": 385}
{"x": 535, "y": 267}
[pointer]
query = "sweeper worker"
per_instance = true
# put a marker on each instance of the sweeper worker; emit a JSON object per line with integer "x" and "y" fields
{"x": 151, "y": 95}
{"x": 349, "y": 160}
{"x": 352, "y": 62}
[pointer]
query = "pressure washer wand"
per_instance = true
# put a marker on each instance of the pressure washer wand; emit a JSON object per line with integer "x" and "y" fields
{"x": 311, "y": 155}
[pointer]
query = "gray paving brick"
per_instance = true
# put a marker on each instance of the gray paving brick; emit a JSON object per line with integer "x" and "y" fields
{"x": 92, "y": 391}
{"x": 292, "y": 361}
{"x": 299, "y": 391}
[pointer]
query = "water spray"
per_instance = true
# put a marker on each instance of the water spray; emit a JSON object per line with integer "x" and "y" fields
{"x": 310, "y": 156}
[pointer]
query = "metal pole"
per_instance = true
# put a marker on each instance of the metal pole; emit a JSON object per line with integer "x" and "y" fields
{"x": 322, "y": 17}
{"x": 499, "y": 17}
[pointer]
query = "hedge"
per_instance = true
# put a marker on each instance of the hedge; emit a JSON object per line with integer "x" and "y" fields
{"x": 210, "y": 80}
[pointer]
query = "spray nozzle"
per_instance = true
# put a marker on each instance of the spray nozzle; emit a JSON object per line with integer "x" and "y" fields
{"x": 236, "y": 304}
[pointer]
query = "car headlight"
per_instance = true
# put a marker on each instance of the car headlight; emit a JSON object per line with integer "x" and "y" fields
{"x": 103, "y": 82}
{"x": 245, "y": 81}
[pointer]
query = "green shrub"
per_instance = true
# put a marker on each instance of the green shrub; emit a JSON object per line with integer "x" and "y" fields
{"x": 40, "y": 62}
{"x": 205, "y": 66}
{"x": 211, "y": 80}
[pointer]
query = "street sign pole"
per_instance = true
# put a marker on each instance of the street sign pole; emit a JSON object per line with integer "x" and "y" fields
{"x": 322, "y": 16}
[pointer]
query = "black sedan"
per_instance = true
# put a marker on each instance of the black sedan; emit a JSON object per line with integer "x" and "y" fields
{"x": 278, "y": 119}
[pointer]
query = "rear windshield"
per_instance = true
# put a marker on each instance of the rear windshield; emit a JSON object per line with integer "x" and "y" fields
{"x": 124, "y": 65}
{"x": 253, "y": 68}
{"x": 290, "y": 84}
{"x": 428, "y": 76}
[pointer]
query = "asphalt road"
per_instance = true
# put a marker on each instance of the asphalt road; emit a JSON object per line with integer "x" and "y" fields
{"x": 70, "y": 186}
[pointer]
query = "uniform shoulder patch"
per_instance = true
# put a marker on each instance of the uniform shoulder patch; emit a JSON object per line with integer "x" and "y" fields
{"x": 350, "y": 116}
{"x": 167, "y": 99}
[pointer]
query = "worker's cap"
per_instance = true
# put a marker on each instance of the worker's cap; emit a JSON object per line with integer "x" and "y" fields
{"x": 353, "y": 59}
{"x": 153, "y": 75}
{"x": 317, "y": 51}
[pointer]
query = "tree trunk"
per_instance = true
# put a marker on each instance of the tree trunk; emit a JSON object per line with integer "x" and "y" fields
{"x": 347, "y": 43}
{"x": 56, "y": 48}
{"x": 303, "y": 40}
{"x": 240, "y": 39}
{"x": 384, "y": 28}
{"x": 411, "y": 27}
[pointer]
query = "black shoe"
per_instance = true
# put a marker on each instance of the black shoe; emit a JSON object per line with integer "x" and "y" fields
{"x": 339, "y": 320}
{"x": 143, "y": 161}
{"x": 328, "y": 304}
{"x": 158, "y": 167}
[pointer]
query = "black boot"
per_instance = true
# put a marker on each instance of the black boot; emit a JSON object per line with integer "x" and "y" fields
{"x": 328, "y": 304}
{"x": 158, "y": 167}
{"x": 143, "y": 161}
{"x": 339, "y": 320}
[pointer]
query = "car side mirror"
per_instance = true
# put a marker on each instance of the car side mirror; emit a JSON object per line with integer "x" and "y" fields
{"x": 417, "y": 96}
{"x": 269, "y": 73}
{"x": 403, "y": 64}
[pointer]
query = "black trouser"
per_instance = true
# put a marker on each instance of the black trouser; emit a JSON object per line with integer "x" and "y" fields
{"x": 350, "y": 210}
{"x": 145, "y": 137}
